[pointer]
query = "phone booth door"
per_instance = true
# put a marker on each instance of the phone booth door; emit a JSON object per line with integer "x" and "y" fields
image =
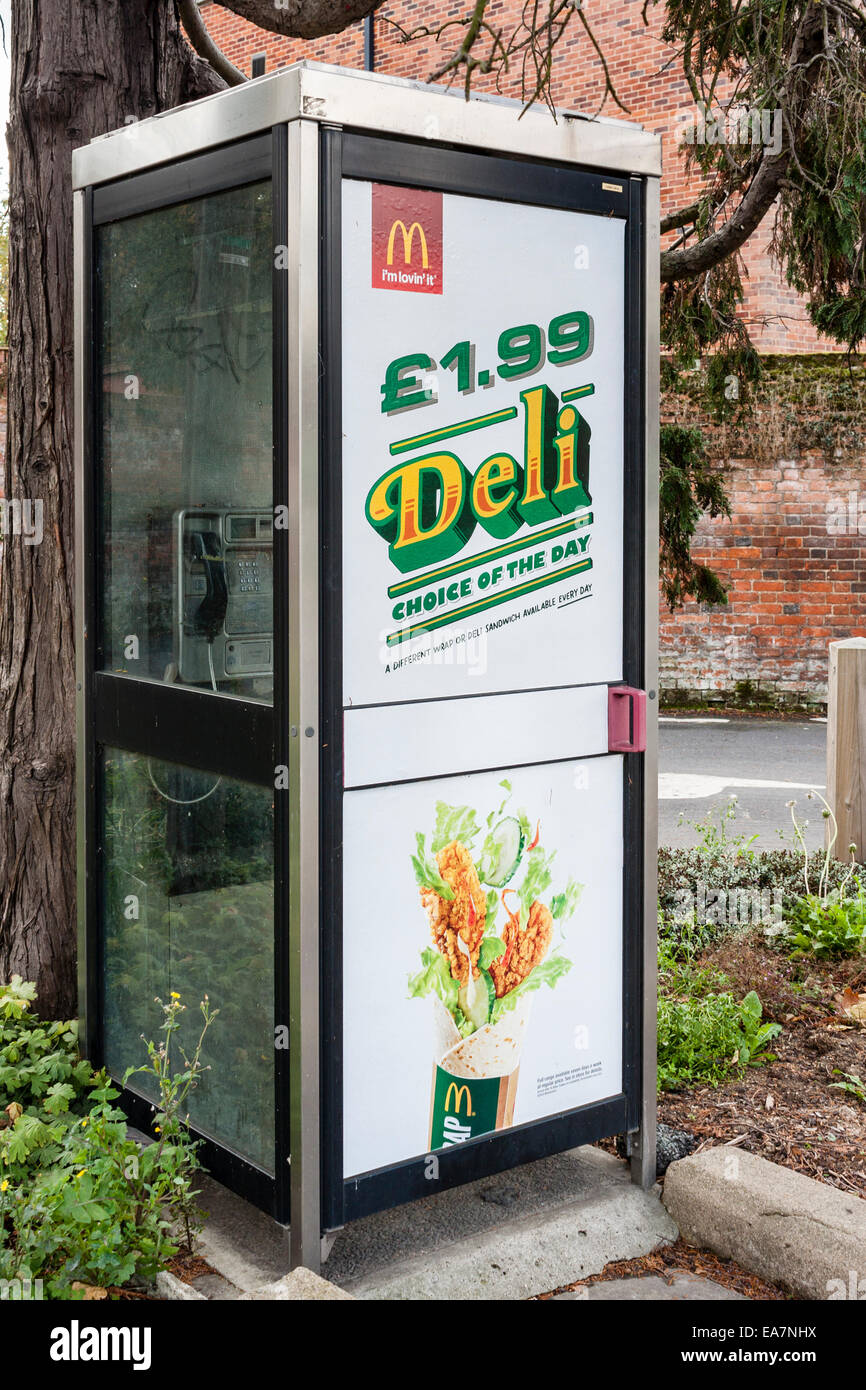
{"x": 185, "y": 884}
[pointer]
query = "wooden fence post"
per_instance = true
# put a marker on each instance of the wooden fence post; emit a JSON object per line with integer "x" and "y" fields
{"x": 846, "y": 745}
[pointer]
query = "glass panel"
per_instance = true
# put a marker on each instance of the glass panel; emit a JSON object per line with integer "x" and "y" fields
{"x": 189, "y": 908}
{"x": 186, "y": 441}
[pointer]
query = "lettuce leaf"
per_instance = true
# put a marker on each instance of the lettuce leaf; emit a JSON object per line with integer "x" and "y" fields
{"x": 492, "y": 947}
{"x": 565, "y": 904}
{"x": 435, "y": 977}
{"x": 453, "y": 823}
{"x": 427, "y": 874}
{"x": 492, "y": 909}
{"x": 497, "y": 815}
{"x": 537, "y": 879}
{"x": 547, "y": 972}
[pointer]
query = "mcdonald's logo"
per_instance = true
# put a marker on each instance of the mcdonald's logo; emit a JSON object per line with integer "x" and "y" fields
{"x": 407, "y": 239}
{"x": 458, "y": 1094}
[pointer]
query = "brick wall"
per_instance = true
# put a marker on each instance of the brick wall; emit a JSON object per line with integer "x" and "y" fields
{"x": 791, "y": 552}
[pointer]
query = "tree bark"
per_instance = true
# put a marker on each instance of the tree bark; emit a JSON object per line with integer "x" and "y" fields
{"x": 79, "y": 68}
{"x": 303, "y": 19}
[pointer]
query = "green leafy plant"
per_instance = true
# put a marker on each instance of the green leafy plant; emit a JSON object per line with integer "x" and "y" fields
{"x": 80, "y": 1202}
{"x": 714, "y": 835}
{"x": 823, "y": 888}
{"x": 852, "y": 1084}
{"x": 175, "y": 1155}
{"x": 825, "y": 921}
{"x": 830, "y": 929}
{"x": 705, "y": 1040}
{"x": 679, "y": 972}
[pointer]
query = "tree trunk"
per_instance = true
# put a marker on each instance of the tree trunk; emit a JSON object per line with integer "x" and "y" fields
{"x": 79, "y": 68}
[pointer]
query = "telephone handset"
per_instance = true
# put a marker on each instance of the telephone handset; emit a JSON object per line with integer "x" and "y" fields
{"x": 223, "y": 604}
{"x": 211, "y": 613}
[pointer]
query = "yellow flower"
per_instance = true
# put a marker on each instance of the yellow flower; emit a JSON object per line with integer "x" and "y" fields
{"x": 174, "y": 996}
{"x": 4, "y": 1185}
{"x": 81, "y": 1174}
{"x": 157, "y": 1130}
{"x": 84, "y": 1121}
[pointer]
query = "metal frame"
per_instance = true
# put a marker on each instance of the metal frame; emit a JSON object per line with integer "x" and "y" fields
{"x": 642, "y": 1146}
{"x": 303, "y": 711}
{"x": 304, "y": 110}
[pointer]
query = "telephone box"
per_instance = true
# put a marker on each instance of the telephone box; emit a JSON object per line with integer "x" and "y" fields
{"x": 366, "y": 423}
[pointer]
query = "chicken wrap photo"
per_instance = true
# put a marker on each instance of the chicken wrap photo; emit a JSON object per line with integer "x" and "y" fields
{"x": 487, "y": 891}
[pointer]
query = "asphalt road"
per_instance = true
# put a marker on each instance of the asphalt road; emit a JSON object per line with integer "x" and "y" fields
{"x": 764, "y": 763}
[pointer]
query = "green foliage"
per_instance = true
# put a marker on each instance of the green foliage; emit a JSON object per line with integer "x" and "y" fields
{"x": 704, "y": 1035}
{"x": 714, "y": 835}
{"x": 733, "y": 876}
{"x": 830, "y": 929}
{"x": 679, "y": 972}
{"x": 688, "y": 488}
{"x": 764, "y": 871}
{"x": 79, "y": 1200}
{"x": 700, "y": 320}
{"x": 800, "y": 67}
{"x": 852, "y": 1085}
{"x": 825, "y": 921}
{"x": 707, "y": 1039}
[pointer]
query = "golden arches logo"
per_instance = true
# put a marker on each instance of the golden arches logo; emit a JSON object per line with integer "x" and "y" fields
{"x": 459, "y": 1093}
{"x": 408, "y": 242}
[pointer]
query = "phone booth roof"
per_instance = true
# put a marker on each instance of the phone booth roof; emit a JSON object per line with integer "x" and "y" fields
{"x": 368, "y": 102}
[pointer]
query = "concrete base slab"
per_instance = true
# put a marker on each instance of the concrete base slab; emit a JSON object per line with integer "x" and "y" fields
{"x": 300, "y": 1284}
{"x": 247, "y": 1247}
{"x": 683, "y": 1287}
{"x": 781, "y": 1225}
{"x": 215, "y": 1288}
{"x": 524, "y": 1232}
{"x": 168, "y": 1286}
{"x": 532, "y": 1229}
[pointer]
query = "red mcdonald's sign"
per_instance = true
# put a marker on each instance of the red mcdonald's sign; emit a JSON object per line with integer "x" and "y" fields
{"x": 407, "y": 239}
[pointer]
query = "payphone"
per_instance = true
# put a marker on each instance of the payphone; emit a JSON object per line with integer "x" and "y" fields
{"x": 223, "y": 596}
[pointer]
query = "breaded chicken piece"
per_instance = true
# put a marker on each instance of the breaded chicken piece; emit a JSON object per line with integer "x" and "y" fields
{"x": 463, "y": 915}
{"x": 524, "y": 948}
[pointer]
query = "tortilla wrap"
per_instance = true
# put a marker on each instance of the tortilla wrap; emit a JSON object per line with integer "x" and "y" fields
{"x": 493, "y": 1050}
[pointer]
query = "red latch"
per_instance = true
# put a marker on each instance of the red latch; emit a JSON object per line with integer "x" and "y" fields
{"x": 626, "y": 719}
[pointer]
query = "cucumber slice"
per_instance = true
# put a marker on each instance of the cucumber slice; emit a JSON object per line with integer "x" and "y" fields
{"x": 502, "y": 851}
{"x": 485, "y": 994}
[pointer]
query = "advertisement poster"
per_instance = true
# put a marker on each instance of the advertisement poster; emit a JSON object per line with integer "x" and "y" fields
{"x": 482, "y": 445}
{"x": 482, "y": 955}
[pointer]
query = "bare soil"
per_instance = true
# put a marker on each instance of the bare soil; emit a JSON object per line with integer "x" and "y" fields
{"x": 788, "y": 1110}
{"x": 679, "y": 1258}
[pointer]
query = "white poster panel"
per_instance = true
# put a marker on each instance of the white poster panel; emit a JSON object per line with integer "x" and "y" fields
{"x": 516, "y": 875}
{"x": 482, "y": 445}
